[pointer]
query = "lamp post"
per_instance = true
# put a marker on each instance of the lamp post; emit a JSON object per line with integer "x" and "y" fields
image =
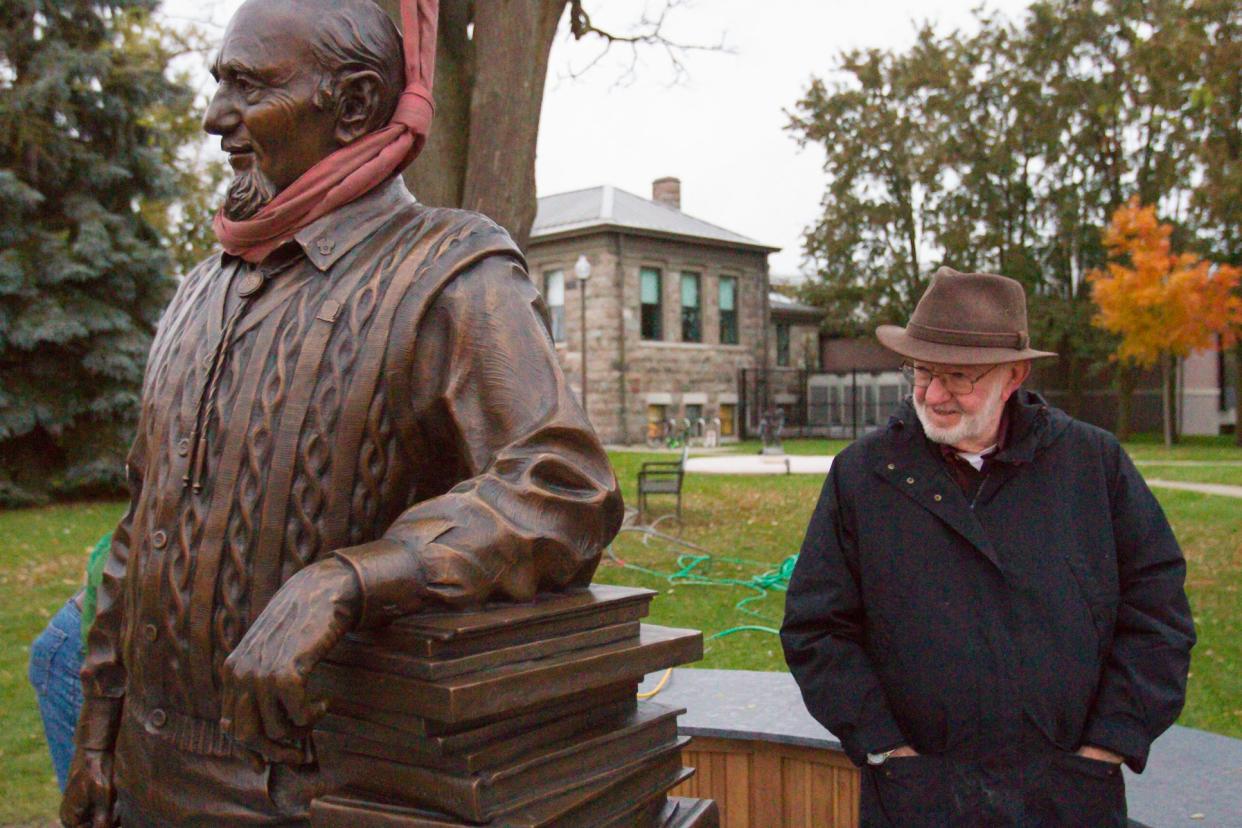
{"x": 582, "y": 269}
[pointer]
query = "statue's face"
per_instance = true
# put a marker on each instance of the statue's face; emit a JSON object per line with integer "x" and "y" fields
{"x": 263, "y": 109}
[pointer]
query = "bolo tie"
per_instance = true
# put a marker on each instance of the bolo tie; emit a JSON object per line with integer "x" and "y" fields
{"x": 250, "y": 286}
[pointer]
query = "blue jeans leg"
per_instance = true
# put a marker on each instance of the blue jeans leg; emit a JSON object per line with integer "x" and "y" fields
{"x": 55, "y": 660}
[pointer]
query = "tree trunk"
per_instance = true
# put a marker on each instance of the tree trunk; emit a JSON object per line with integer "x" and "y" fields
{"x": 1175, "y": 399}
{"x": 1166, "y": 397}
{"x": 491, "y": 66}
{"x": 513, "y": 39}
{"x": 1073, "y": 395}
{"x": 438, "y": 176}
{"x": 1237, "y": 394}
{"x": 1125, "y": 400}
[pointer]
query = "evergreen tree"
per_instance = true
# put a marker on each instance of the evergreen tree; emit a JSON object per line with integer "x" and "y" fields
{"x": 84, "y": 274}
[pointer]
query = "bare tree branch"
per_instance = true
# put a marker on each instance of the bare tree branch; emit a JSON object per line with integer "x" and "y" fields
{"x": 649, "y": 31}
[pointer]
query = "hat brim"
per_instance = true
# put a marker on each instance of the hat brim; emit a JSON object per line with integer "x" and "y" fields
{"x": 898, "y": 341}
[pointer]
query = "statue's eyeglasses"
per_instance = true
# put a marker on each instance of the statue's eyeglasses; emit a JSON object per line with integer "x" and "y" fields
{"x": 957, "y": 383}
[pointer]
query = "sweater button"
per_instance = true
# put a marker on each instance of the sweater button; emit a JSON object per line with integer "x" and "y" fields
{"x": 159, "y": 539}
{"x": 150, "y": 632}
{"x": 158, "y": 718}
{"x": 892, "y": 466}
{"x": 183, "y": 446}
{"x": 937, "y": 498}
{"x": 910, "y": 480}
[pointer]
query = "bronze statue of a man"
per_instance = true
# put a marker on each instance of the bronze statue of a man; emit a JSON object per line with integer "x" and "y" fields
{"x": 363, "y": 417}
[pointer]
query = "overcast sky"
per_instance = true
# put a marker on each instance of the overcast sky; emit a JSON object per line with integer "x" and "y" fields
{"x": 720, "y": 127}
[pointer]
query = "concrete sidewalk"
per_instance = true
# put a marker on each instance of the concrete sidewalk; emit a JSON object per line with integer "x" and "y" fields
{"x": 1202, "y": 488}
{"x": 819, "y": 464}
{"x": 760, "y": 464}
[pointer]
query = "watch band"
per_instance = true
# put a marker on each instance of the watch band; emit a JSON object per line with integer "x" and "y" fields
{"x": 879, "y": 758}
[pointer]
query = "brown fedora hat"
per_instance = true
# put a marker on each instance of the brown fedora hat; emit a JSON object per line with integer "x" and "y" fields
{"x": 965, "y": 319}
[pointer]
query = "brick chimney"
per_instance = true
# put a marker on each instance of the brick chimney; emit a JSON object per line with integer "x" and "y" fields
{"x": 667, "y": 191}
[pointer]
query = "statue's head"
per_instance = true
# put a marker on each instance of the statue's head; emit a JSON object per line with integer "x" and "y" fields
{"x": 299, "y": 79}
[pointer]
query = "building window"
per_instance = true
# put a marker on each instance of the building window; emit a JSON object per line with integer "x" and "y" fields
{"x": 728, "y": 419}
{"x": 694, "y": 413}
{"x": 691, "y": 312}
{"x": 817, "y": 409}
{"x": 652, "y": 308}
{"x": 782, "y": 344}
{"x": 728, "y": 310}
{"x": 870, "y": 405}
{"x": 554, "y": 296}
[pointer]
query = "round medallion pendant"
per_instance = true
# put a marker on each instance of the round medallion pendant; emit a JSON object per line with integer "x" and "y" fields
{"x": 250, "y": 283}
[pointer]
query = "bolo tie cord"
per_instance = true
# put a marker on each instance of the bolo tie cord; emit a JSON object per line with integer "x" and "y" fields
{"x": 198, "y": 450}
{"x": 196, "y": 470}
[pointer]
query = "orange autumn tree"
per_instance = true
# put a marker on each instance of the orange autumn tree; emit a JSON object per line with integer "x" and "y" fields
{"x": 1161, "y": 303}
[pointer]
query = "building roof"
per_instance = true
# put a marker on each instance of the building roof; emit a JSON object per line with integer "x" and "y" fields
{"x": 857, "y": 354}
{"x": 609, "y": 207}
{"x": 782, "y": 305}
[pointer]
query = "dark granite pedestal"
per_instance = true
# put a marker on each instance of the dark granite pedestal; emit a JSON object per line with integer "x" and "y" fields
{"x": 1193, "y": 778}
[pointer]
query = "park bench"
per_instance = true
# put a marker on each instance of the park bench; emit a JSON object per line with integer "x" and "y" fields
{"x": 661, "y": 477}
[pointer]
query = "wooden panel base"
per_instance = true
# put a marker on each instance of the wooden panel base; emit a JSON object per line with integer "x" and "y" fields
{"x": 767, "y": 785}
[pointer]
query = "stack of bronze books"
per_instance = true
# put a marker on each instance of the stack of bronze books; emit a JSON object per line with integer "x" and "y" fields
{"x": 513, "y": 715}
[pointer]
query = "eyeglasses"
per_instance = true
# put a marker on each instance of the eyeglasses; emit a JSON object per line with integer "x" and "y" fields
{"x": 957, "y": 383}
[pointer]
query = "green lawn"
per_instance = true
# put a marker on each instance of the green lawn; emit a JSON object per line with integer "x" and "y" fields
{"x": 42, "y": 553}
{"x": 1230, "y": 474}
{"x": 1150, "y": 447}
{"x": 748, "y": 525}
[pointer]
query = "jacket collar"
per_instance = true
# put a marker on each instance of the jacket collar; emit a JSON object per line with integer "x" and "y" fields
{"x": 327, "y": 239}
{"x": 909, "y": 464}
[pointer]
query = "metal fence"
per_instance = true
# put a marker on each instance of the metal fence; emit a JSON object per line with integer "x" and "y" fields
{"x": 841, "y": 405}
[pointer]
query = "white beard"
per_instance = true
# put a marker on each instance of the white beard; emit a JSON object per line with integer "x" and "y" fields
{"x": 970, "y": 427}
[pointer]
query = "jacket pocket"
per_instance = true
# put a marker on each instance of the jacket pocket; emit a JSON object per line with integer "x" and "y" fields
{"x": 907, "y": 791}
{"x": 1098, "y": 768}
{"x": 1082, "y": 791}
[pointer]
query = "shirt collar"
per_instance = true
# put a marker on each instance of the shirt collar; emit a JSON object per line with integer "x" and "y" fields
{"x": 326, "y": 239}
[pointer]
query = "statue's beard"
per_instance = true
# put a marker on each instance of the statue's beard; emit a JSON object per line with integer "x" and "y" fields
{"x": 249, "y": 193}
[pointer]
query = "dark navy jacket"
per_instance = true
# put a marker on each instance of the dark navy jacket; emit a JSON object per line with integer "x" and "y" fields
{"x": 1052, "y": 604}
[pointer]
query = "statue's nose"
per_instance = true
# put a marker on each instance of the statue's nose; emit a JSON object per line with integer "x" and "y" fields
{"x": 221, "y": 116}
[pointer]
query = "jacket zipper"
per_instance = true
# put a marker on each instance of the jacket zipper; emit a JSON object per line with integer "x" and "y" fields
{"x": 979, "y": 491}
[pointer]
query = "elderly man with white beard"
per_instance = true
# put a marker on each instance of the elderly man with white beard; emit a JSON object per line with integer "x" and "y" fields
{"x": 989, "y": 606}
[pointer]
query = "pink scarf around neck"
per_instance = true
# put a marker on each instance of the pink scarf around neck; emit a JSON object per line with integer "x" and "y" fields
{"x": 354, "y": 169}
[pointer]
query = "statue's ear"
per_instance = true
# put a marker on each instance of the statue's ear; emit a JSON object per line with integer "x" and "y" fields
{"x": 357, "y": 105}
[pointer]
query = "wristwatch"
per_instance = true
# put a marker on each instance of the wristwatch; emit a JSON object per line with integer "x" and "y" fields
{"x": 879, "y": 758}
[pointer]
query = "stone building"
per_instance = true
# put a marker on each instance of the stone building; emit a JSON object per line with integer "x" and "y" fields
{"x": 793, "y": 334}
{"x": 676, "y": 307}
{"x": 793, "y": 357}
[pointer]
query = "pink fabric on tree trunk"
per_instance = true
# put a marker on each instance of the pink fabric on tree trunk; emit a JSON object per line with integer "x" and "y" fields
{"x": 356, "y": 168}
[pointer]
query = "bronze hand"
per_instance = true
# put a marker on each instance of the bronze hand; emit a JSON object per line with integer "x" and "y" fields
{"x": 90, "y": 798}
{"x": 265, "y": 701}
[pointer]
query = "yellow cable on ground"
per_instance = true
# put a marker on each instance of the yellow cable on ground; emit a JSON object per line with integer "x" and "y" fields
{"x": 658, "y": 687}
